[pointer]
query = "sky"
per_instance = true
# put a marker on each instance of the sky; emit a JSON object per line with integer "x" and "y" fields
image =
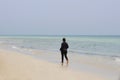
{"x": 59, "y": 17}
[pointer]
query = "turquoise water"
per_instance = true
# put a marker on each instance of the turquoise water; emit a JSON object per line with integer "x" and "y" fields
{"x": 88, "y": 45}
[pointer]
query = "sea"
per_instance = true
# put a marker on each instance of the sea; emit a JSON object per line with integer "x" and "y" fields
{"x": 107, "y": 45}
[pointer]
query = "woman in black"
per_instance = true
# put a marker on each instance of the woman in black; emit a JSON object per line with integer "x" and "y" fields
{"x": 63, "y": 49}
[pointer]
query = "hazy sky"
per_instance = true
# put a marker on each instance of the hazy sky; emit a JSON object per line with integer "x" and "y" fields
{"x": 60, "y": 17}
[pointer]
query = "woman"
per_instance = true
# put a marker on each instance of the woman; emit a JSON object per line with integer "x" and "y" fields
{"x": 63, "y": 49}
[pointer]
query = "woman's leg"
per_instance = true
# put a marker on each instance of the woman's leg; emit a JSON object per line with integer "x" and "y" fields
{"x": 66, "y": 57}
{"x": 62, "y": 57}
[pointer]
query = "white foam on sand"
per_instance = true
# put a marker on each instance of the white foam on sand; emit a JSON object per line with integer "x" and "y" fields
{"x": 117, "y": 60}
{"x": 14, "y": 47}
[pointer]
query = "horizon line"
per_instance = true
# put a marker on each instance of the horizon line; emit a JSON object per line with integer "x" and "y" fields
{"x": 59, "y": 35}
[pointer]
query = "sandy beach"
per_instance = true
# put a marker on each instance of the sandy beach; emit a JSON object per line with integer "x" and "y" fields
{"x": 17, "y": 66}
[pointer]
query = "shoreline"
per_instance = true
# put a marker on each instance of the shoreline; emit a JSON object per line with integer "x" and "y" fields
{"x": 14, "y": 64}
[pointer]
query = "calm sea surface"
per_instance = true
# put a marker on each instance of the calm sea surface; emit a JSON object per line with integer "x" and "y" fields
{"x": 88, "y": 45}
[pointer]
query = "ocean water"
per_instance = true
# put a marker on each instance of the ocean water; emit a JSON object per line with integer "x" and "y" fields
{"x": 88, "y": 45}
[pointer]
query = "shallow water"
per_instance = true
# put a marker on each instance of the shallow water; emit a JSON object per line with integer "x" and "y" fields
{"x": 89, "y": 45}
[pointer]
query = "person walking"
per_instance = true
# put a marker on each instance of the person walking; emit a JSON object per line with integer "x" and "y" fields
{"x": 63, "y": 49}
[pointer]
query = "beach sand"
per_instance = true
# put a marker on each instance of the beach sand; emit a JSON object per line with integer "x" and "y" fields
{"x": 17, "y": 66}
